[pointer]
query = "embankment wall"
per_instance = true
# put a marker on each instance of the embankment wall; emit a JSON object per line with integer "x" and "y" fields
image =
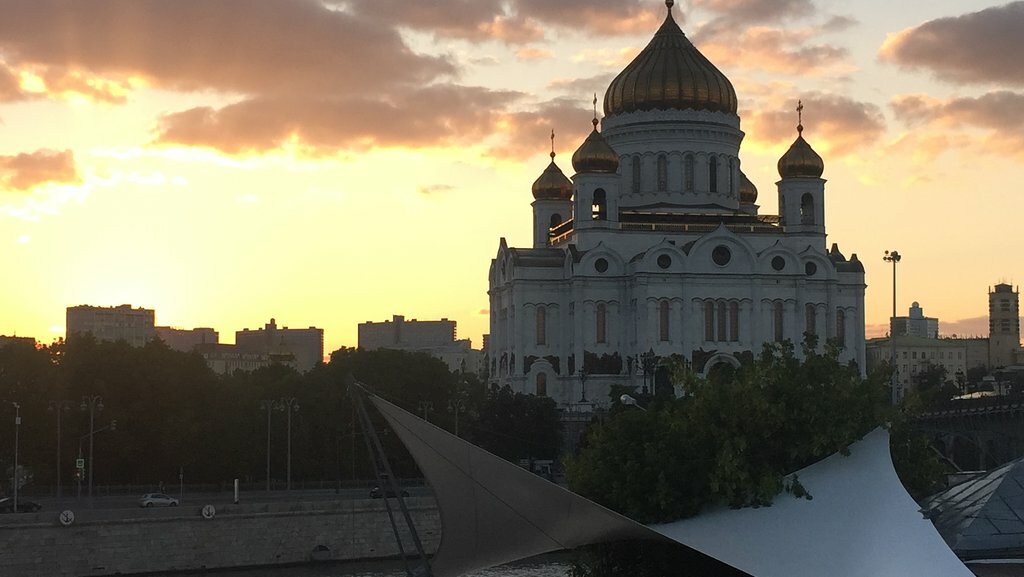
{"x": 127, "y": 541}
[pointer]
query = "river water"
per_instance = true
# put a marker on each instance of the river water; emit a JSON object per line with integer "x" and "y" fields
{"x": 547, "y": 566}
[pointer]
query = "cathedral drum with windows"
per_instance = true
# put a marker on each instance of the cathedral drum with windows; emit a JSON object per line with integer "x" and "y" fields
{"x": 655, "y": 246}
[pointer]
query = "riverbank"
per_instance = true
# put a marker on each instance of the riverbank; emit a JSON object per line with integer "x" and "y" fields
{"x": 98, "y": 543}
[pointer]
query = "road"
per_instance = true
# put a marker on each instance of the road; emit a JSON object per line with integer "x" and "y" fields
{"x": 218, "y": 498}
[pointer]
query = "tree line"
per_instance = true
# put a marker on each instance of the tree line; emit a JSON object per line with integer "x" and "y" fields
{"x": 175, "y": 415}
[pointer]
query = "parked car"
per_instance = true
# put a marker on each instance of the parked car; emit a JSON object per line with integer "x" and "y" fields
{"x": 157, "y": 500}
{"x": 24, "y": 506}
{"x": 377, "y": 493}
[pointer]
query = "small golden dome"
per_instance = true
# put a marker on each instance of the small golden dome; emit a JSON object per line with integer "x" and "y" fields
{"x": 800, "y": 161}
{"x": 748, "y": 192}
{"x": 552, "y": 184}
{"x": 594, "y": 155}
{"x": 670, "y": 74}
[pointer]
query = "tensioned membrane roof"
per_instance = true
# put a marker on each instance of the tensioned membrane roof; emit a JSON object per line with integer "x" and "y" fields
{"x": 859, "y": 523}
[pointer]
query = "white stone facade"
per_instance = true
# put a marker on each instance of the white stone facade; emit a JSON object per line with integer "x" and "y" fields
{"x": 664, "y": 257}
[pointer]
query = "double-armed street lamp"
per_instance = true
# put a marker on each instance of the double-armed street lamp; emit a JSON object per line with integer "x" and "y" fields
{"x": 289, "y": 405}
{"x": 893, "y": 257}
{"x": 425, "y": 407}
{"x": 91, "y": 403}
{"x": 583, "y": 385}
{"x": 456, "y": 406}
{"x": 59, "y": 407}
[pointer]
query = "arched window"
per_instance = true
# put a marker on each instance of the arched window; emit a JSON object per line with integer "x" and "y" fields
{"x": 713, "y": 174}
{"x": 636, "y": 174}
{"x": 734, "y": 322}
{"x": 599, "y": 209}
{"x": 732, "y": 182}
{"x": 723, "y": 321}
{"x": 688, "y": 173}
{"x": 811, "y": 314}
{"x": 556, "y": 219}
{"x": 841, "y": 328}
{"x": 542, "y": 384}
{"x": 807, "y": 209}
{"x": 778, "y": 316}
{"x": 709, "y": 320}
{"x": 601, "y": 327}
{"x": 662, "y": 172}
{"x": 542, "y": 328}
{"x": 663, "y": 318}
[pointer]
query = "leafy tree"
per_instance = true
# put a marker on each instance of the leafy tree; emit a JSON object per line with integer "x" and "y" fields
{"x": 730, "y": 440}
{"x": 517, "y": 426}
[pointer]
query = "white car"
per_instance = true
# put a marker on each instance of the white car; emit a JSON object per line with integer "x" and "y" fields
{"x": 157, "y": 500}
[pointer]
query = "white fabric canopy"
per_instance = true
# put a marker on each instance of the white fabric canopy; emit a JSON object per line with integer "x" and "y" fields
{"x": 860, "y": 523}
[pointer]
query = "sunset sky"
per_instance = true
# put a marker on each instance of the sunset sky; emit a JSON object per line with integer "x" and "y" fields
{"x": 328, "y": 163}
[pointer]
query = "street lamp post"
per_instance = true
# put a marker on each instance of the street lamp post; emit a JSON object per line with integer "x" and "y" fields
{"x": 647, "y": 361}
{"x": 268, "y": 406}
{"x": 425, "y": 406}
{"x": 289, "y": 405}
{"x": 456, "y": 406}
{"x": 92, "y": 403}
{"x": 893, "y": 257}
{"x": 60, "y": 407}
{"x": 17, "y": 425}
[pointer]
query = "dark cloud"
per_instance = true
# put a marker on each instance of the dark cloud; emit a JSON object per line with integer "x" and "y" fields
{"x": 841, "y": 123}
{"x": 998, "y": 114}
{"x": 270, "y": 47}
{"x": 524, "y": 134}
{"x": 579, "y": 87}
{"x": 433, "y": 115}
{"x": 758, "y": 11}
{"x": 10, "y": 88}
{"x": 980, "y": 47}
{"x": 969, "y": 327}
{"x": 30, "y": 169}
{"x": 512, "y": 21}
{"x": 781, "y": 50}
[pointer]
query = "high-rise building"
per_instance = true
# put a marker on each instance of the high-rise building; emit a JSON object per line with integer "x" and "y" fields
{"x": 120, "y": 323}
{"x": 303, "y": 348}
{"x": 916, "y": 324}
{"x": 186, "y": 340}
{"x": 1003, "y": 325}
{"x": 656, "y": 246}
{"x": 436, "y": 338}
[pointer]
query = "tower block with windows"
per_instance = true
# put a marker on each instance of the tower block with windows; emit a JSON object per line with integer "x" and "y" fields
{"x": 656, "y": 245}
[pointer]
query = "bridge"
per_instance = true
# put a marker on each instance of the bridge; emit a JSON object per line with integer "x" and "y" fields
{"x": 977, "y": 434}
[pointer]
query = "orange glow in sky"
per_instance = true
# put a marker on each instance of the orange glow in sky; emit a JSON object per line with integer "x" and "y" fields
{"x": 224, "y": 162}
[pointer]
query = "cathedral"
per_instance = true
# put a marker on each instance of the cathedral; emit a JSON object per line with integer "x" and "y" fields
{"x": 655, "y": 246}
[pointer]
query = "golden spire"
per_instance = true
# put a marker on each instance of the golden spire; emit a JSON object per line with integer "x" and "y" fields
{"x": 595, "y": 111}
{"x": 800, "y": 116}
{"x": 552, "y": 144}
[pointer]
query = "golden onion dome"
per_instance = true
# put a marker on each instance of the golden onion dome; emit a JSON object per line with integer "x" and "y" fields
{"x": 552, "y": 184}
{"x": 748, "y": 192}
{"x": 594, "y": 155}
{"x": 670, "y": 74}
{"x": 800, "y": 161}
